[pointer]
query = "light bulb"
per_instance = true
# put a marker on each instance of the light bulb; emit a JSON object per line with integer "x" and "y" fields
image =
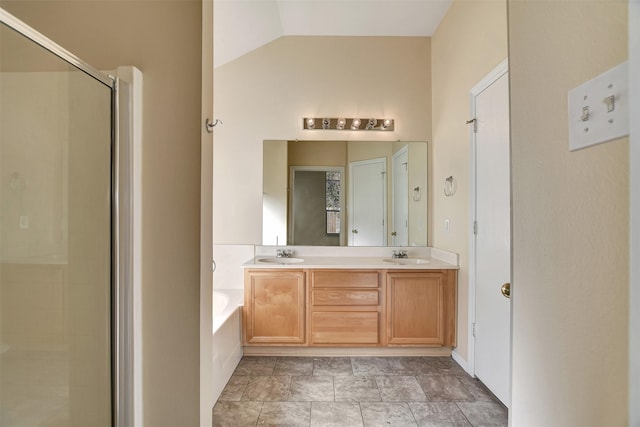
{"x": 325, "y": 123}
{"x": 340, "y": 124}
{"x": 372, "y": 123}
{"x": 386, "y": 124}
{"x": 311, "y": 123}
{"x": 355, "y": 124}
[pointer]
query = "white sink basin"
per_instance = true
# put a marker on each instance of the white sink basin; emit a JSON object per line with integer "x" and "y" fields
{"x": 406, "y": 261}
{"x": 276, "y": 260}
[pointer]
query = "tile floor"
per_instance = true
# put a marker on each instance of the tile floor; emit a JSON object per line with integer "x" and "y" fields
{"x": 355, "y": 391}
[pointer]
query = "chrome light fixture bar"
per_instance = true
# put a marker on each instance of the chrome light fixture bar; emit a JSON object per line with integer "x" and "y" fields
{"x": 348, "y": 124}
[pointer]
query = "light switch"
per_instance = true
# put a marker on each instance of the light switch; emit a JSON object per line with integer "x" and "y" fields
{"x": 599, "y": 109}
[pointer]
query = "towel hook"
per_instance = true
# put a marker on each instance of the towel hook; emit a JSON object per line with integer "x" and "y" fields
{"x": 449, "y": 186}
{"x": 209, "y": 125}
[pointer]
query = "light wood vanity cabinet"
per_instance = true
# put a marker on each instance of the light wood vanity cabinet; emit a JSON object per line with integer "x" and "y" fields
{"x": 421, "y": 308}
{"x": 274, "y": 302}
{"x": 364, "y": 308}
{"x": 345, "y": 307}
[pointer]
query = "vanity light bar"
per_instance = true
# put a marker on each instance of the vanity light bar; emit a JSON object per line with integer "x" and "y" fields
{"x": 341, "y": 123}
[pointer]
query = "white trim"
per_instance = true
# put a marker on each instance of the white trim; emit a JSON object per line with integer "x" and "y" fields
{"x": 207, "y": 262}
{"x": 129, "y": 132}
{"x": 462, "y": 362}
{"x": 487, "y": 81}
{"x": 634, "y": 215}
{"x": 500, "y": 69}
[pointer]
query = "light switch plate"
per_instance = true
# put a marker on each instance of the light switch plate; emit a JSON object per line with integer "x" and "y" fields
{"x": 599, "y": 109}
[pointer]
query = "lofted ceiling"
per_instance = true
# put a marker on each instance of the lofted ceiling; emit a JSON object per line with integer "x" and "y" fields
{"x": 241, "y": 26}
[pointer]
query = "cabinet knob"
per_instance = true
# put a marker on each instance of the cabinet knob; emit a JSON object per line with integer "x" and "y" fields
{"x": 393, "y": 233}
{"x": 354, "y": 231}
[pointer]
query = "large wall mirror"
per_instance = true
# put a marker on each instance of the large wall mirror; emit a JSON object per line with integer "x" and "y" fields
{"x": 344, "y": 193}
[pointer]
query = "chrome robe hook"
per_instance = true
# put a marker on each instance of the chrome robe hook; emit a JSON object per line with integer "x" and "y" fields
{"x": 209, "y": 125}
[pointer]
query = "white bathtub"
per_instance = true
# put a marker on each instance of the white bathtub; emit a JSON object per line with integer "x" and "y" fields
{"x": 227, "y": 335}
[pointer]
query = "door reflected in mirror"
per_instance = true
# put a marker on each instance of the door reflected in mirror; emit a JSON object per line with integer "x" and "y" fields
{"x": 338, "y": 193}
{"x": 316, "y": 206}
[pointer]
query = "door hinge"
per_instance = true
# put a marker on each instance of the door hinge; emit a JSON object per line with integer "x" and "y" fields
{"x": 473, "y": 329}
{"x": 475, "y": 227}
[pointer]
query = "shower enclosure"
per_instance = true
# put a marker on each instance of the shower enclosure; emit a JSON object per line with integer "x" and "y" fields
{"x": 57, "y": 272}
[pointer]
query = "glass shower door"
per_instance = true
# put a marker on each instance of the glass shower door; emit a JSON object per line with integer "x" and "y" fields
{"x": 55, "y": 240}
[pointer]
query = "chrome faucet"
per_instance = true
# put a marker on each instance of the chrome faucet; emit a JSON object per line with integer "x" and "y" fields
{"x": 399, "y": 254}
{"x": 284, "y": 253}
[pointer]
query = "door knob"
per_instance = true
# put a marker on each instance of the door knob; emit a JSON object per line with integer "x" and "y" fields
{"x": 506, "y": 290}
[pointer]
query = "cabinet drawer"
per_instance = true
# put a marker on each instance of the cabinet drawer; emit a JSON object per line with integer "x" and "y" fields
{"x": 344, "y": 297}
{"x": 345, "y": 279}
{"x": 344, "y": 328}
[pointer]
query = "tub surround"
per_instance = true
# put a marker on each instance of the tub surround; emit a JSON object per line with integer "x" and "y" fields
{"x": 227, "y": 273}
{"x": 227, "y": 340}
{"x": 225, "y": 304}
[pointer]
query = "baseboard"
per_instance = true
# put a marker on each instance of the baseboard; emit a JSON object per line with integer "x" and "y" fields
{"x": 462, "y": 362}
{"x": 346, "y": 351}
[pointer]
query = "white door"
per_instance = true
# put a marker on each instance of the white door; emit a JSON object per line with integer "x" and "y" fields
{"x": 400, "y": 206}
{"x": 368, "y": 201}
{"x": 493, "y": 238}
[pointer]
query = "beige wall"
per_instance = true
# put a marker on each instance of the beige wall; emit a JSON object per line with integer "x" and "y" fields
{"x": 570, "y": 222}
{"x": 266, "y": 93}
{"x": 163, "y": 40}
{"x": 468, "y": 44}
{"x": 317, "y": 153}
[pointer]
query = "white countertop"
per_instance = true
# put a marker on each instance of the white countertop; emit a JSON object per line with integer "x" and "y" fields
{"x": 350, "y": 262}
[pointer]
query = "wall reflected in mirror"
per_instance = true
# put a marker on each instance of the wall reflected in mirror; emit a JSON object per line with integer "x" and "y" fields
{"x": 339, "y": 193}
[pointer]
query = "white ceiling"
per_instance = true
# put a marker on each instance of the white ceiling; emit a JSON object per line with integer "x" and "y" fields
{"x": 241, "y": 26}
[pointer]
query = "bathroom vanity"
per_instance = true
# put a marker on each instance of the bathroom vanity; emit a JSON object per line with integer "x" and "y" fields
{"x": 349, "y": 302}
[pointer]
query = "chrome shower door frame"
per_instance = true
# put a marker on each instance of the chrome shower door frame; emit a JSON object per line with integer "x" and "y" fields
{"x": 121, "y": 317}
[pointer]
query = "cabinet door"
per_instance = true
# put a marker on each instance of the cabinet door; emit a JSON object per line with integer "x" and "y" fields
{"x": 275, "y": 307}
{"x": 415, "y": 308}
